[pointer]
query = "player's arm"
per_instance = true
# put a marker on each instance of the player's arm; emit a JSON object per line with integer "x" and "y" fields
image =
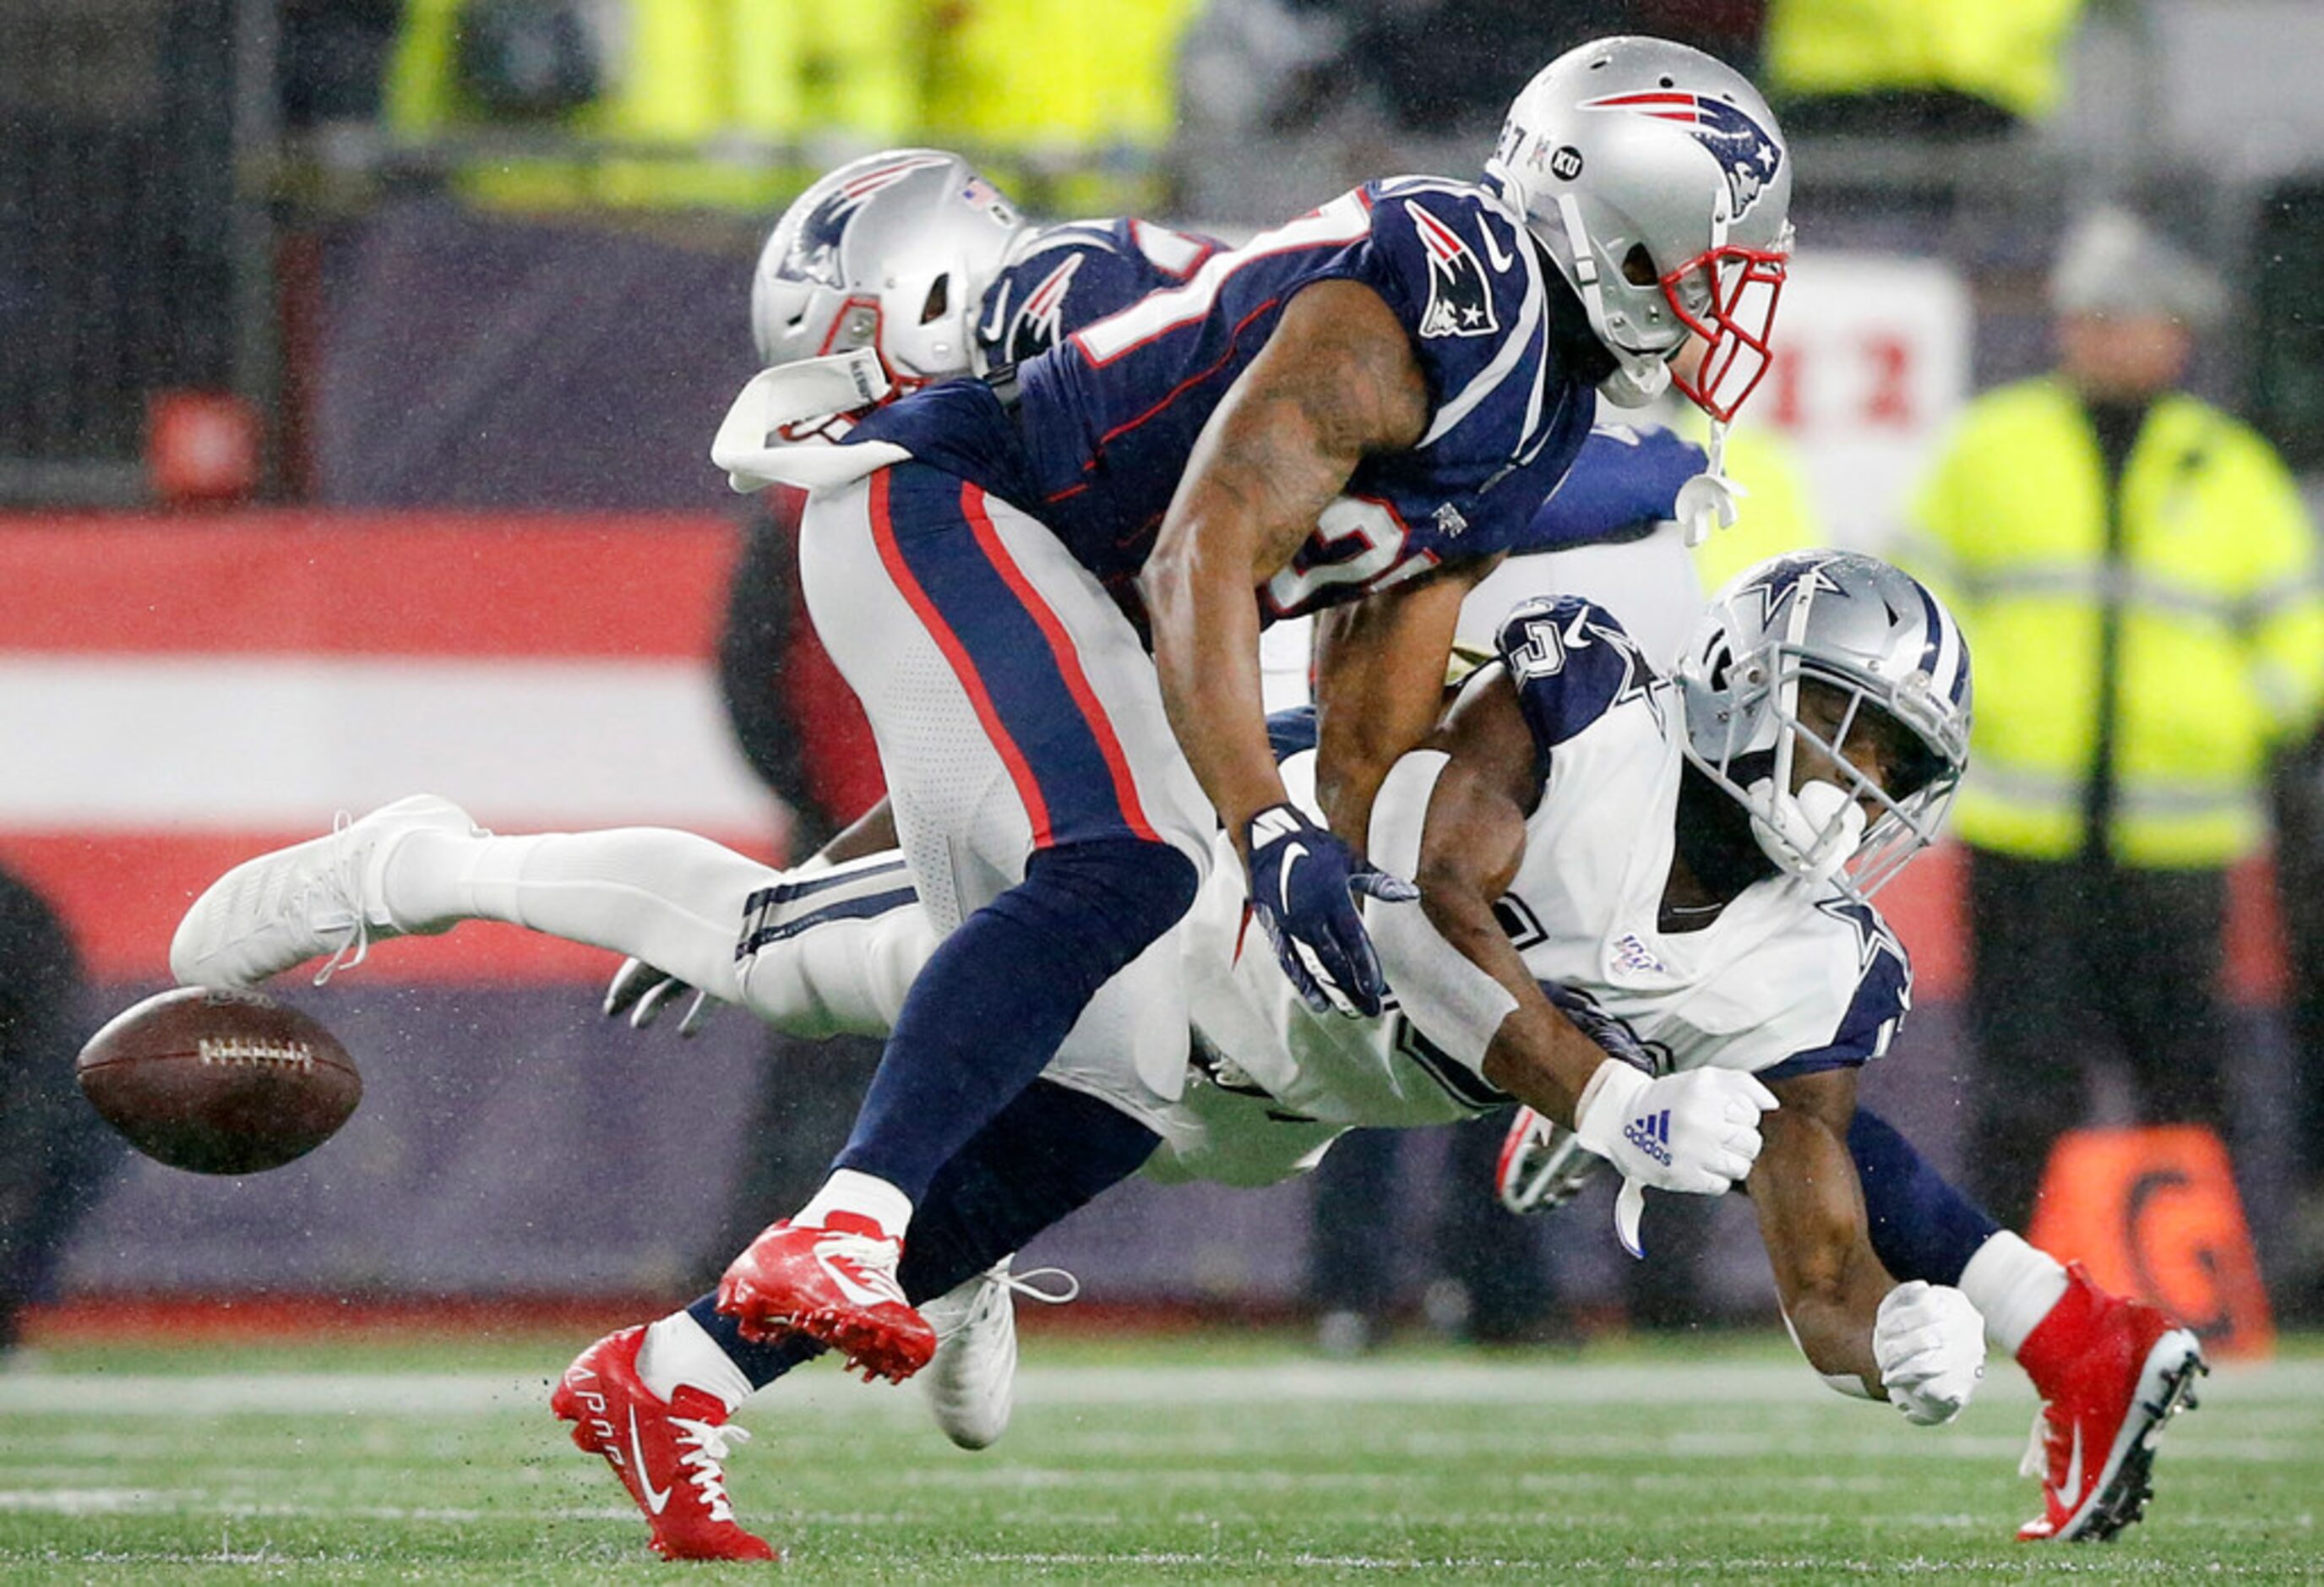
{"x": 1455, "y": 815}
{"x": 1917, "y": 1345}
{"x": 1472, "y": 841}
{"x": 1376, "y": 695}
{"x": 1337, "y": 381}
{"x": 1810, "y": 1211}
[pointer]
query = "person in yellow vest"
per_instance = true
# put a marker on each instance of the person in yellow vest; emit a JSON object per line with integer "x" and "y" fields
{"x": 1893, "y": 67}
{"x": 692, "y": 104}
{"x": 2136, "y": 572}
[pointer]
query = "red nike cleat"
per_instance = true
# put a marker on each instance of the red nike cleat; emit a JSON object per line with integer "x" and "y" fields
{"x": 836, "y": 1284}
{"x": 668, "y": 1453}
{"x": 2111, "y": 1372}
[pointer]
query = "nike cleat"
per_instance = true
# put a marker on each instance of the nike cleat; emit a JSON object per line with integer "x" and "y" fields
{"x": 972, "y": 1381}
{"x": 2111, "y": 1372}
{"x": 836, "y": 1284}
{"x": 319, "y": 897}
{"x": 670, "y": 1454}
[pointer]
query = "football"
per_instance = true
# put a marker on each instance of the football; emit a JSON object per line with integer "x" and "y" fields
{"x": 219, "y": 1082}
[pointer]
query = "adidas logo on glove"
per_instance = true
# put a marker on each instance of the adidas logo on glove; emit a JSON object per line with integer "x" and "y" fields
{"x": 1650, "y": 1133}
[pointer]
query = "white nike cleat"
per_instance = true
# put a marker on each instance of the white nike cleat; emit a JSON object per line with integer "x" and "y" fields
{"x": 315, "y": 897}
{"x": 973, "y": 1379}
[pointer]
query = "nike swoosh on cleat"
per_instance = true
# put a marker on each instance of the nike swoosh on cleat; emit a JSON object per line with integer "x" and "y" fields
{"x": 864, "y": 1289}
{"x": 656, "y": 1498}
{"x": 2074, "y": 1471}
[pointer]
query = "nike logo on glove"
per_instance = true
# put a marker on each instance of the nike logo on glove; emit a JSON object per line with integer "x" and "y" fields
{"x": 1291, "y": 856}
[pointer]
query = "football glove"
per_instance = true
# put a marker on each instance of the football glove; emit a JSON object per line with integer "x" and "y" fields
{"x": 1928, "y": 1342}
{"x": 642, "y": 992}
{"x": 1697, "y": 1131}
{"x": 1303, "y": 884}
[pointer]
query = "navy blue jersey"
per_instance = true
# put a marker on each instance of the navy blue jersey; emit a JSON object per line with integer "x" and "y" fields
{"x": 1071, "y": 274}
{"x": 1107, "y": 421}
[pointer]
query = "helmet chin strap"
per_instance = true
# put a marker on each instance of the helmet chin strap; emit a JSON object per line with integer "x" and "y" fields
{"x": 1639, "y": 378}
{"x": 1812, "y": 834}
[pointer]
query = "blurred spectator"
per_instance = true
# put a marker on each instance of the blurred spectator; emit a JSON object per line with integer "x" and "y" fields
{"x": 56, "y": 1154}
{"x": 2298, "y": 808}
{"x": 1908, "y": 68}
{"x": 662, "y": 80}
{"x": 1066, "y": 102}
{"x": 329, "y": 57}
{"x": 2134, "y": 569}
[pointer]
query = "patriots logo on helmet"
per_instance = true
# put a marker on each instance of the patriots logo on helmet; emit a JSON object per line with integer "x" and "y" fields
{"x": 815, "y": 252}
{"x": 1747, "y": 152}
{"x": 1460, "y": 299}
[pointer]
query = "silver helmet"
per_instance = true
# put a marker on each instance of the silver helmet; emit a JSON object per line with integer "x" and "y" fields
{"x": 1882, "y": 646}
{"x": 895, "y": 252}
{"x": 1658, "y": 181}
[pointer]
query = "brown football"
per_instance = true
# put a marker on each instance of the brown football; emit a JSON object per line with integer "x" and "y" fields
{"x": 219, "y": 1082}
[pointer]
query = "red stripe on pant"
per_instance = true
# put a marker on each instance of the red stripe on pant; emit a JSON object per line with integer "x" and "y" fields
{"x": 1020, "y": 772}
{"x": 1069, "y": 665}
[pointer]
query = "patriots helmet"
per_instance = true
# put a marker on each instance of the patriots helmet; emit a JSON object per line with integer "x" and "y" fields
{"x": 1659, "y": 183}
{"x": 1893, "y": 662}
{"x": 893, "y": 252}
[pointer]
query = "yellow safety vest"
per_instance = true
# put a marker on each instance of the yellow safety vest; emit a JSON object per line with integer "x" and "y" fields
{"x": 2003, "y": 51}
{"x": 1773, "y": 517}
{"x": 2221, "y": 638}
{"x": 688, "y": 73}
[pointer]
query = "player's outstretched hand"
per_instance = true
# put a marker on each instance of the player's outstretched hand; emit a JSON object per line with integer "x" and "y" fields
{"x": 1929, "y": 1342}
{"x": 1304, "y": 885}
{"x": 1697, "y": 1131}
{"x": 642, "y": 992}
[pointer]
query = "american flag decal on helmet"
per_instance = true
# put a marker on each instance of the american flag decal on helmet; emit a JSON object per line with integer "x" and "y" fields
{"x": 1747, "y": 152}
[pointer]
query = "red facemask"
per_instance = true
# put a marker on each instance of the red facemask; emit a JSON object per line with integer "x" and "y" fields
{"x": 1734, "y": 290}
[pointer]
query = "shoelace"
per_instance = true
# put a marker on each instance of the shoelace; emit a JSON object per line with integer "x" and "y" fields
{"x": 339, "y": 885}
{"x": 712, "y": 1446}
{"x": 2035, "y": 1461}
{"x": 998, "y": 1286}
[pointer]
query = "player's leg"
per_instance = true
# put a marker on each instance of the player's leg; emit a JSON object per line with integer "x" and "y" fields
{"x": 2166, "y": 932}
{"x": 1042, "y": 804}
{"x": 2030, "y": 1013}
{"x": 2110, "y": 1371}
{"x": 654, "y": 1400}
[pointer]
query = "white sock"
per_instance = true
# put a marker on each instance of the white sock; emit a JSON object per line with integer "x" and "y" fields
{"x": 678, "y": 1350}
{"x": 2014, "y": 1284}
{"x": 668, "y": 898}
{"x": 865, "y": 1196}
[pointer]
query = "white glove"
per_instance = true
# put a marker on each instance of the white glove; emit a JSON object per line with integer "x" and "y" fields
{"x": 1696, "y": 1131}
{"x": 1929, "y": 1342}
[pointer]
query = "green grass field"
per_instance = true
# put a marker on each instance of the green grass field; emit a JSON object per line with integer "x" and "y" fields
{"x": 1227, "y": 1458}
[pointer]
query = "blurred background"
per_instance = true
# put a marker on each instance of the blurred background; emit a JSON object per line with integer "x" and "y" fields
{"x": 358, "y": 363}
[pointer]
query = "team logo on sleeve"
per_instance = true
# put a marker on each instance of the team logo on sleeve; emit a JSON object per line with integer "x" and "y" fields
{"x": 1459, "y": 299}
{"x": 1746, "y": 151}
{"x": 1039, "y": 321}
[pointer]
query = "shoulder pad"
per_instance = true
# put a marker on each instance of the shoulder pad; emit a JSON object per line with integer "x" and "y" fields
{"x": 1571, "y": 662}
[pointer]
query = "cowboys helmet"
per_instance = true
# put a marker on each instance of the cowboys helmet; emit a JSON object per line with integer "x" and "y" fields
{"x": 1885, "y": 648}
{"x": 893, "y": 252}
{"x": 1658, "y": 181}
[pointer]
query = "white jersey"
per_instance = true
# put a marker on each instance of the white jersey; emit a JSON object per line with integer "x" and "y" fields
{"x": 1785, "y": 981}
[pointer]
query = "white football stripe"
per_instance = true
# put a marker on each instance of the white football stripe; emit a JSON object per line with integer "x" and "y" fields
{"x": 141, "y": 742}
